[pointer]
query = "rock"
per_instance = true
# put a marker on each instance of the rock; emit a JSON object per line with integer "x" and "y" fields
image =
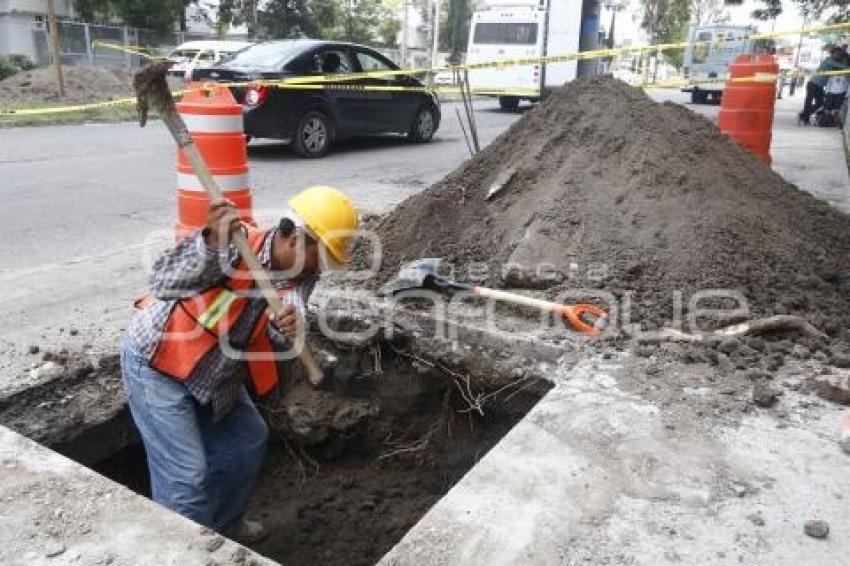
{"x": 831, "y": 387}
{"x": 756, "y": 519}
{"x": 820, "y": 356}
{"x": 774, "y": 362}
{"x": 53, "y": 549}
{"x": 728, "y": 345}
{"x": 47, "y": 371}
{"x": 764, "y": 395}
{"x": 780, "y": 347}
{"x": 840, "y": 359}
{"x": 816, "y": 528}
{"x": 239, "y": 555}
{"x": 214, "y": 543}
{"x": 725, "y": 365}
{"x": 34, "y": 349}
{"x": 800, "y": 352}
{"x": 73, "y": 332}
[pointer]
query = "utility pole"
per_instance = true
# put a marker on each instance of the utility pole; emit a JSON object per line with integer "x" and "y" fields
{"x": 404, "y": 27}
{"x": 436, "y": 28}
{"x": 54, "y": 40}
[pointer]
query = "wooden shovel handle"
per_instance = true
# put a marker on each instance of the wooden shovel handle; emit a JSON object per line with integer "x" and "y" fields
{"x": 573, "y": 313}
{"x": 190, "y": 150}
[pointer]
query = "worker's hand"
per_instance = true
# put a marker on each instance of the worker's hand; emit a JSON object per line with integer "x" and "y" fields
{"x": 288, "y": 321}
{"x": 222, "y": 221}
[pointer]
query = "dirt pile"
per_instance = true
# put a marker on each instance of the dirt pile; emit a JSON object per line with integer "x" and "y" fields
{"x": 608, "y": 189}
{"x": 82, "y": 85}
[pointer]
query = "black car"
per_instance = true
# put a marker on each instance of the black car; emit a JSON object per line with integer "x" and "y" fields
{"x": 311, "y": 119}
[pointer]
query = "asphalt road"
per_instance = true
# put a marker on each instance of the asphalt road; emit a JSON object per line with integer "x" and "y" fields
{"x": 84, "y": 206}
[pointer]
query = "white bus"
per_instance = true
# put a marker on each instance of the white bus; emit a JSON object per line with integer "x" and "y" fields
{"x": 710, "y": 50}
{"x": 508, "y": 29}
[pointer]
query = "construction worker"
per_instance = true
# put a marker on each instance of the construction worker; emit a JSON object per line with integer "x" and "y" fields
{"x": 202, "y": 333}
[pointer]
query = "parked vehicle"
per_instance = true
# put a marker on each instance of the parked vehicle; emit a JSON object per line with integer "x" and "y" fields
{"x": 193, "y": 54}
{"x": 710, "y": 50}
{"x": 312, "y": 119}
{"x": 507, "y": 29}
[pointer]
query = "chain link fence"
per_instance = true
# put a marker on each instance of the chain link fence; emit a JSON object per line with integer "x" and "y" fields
{"x": 78, "y": 44}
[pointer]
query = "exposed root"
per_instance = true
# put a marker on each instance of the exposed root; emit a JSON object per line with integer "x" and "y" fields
{"x": 418, "y": 445}
{"x": 300, "y": 457}
{"x": 474, "y": 401}
{"x": 758, "y": 326}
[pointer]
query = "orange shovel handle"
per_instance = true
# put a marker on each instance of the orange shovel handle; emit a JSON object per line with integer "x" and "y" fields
{"x": 575, "y": 315}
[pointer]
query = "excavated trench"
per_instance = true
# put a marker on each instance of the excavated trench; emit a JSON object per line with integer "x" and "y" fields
{"x": 350, "y": 469}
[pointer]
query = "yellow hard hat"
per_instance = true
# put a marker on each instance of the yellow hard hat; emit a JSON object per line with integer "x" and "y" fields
{"x": 330, "y": 215}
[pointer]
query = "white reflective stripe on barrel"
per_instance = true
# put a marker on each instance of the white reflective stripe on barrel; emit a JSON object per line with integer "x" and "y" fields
{"x": 189, "y": 182}
{"x": 213, "y": 123}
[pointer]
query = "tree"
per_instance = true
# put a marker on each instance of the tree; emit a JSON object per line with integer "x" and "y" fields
{"x": 364, "y": 21}
{"x": 666, "y": 21}
{"x": 771, "y": 10}
{"x": 159, "y": 16}
{"x": 454, "y": 31}
{"x": 286, "y": 19}
{"x": 703, "y": 12}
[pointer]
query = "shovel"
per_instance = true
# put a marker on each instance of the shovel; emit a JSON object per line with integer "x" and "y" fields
{"x": 422, "y": 274}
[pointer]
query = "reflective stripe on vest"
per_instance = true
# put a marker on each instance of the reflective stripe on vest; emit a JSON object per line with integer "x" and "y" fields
{"x": 183, "y": 345}
{"x": 217, "y": 309}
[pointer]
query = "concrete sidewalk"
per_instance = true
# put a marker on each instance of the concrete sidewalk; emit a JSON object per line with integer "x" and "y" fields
{"x": 810, "y": 157}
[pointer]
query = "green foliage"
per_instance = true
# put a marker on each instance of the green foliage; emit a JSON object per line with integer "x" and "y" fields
{"x": 666, "y": 21}
{"x": 454, "y": 31}
{"x": 159, "y": 16}
{"x": 360, "y": 21}
{"x": 7, "y": 69}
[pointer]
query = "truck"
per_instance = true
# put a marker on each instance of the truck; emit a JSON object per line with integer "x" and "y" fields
{"x": 508, "y": 29}
{"x": 710, "y": 50}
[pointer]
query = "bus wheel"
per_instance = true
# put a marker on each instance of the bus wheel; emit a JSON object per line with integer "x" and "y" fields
{"x": 509, "y": 103}
{"x": 699, "y": 96}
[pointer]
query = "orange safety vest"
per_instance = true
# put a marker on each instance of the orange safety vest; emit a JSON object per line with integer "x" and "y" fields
{"x": 195, "y": 325}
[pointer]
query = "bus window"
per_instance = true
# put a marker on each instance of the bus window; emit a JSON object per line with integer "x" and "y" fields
{"x": 701, "y": 47}
{"x": 505, "y": 34}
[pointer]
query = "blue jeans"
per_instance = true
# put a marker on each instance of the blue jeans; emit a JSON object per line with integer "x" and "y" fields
{"x": 202, "y": 469}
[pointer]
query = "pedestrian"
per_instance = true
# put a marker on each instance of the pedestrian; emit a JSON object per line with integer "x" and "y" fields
{"x": 204, "y": 333}
{"x": 815, "y": 87}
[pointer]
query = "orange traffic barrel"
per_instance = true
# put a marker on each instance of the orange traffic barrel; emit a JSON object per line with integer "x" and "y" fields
{"x": 746, "y": 108}
{"x": 214, "y": 120}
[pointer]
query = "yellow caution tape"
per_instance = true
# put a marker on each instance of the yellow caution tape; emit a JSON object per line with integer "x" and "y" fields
{"x": 520, "y": 92}
{"x": 64, "y": 109}
{"x": 131, "y": 50}
{"x": 504, "y": 63}
{"x": 320, "y": 82}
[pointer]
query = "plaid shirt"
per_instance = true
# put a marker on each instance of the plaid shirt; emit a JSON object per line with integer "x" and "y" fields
{"x": 186, "y": 270}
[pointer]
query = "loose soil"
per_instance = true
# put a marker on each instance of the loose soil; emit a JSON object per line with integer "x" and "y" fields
{"x": 83, "y": 84}
{"x": 614, "y": 191}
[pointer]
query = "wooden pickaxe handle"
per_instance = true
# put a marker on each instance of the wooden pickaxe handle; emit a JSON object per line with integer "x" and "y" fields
{"x": 181, "y": 135}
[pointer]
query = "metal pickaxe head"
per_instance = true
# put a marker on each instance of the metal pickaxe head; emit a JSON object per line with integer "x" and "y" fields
{"x": 422, "y": 274}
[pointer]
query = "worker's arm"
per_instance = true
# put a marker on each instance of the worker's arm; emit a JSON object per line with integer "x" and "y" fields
{"x": 198, "y": 261}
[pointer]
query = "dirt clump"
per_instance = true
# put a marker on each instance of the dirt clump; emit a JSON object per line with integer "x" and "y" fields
{"x": 616, "y": 192}
{"x": 83, "y": 84}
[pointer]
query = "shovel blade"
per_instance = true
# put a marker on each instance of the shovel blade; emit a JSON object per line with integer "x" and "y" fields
{"x": 413, "y": 276}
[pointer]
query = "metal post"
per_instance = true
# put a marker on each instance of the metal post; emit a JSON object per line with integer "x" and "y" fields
{"x": 89, "y": 51}
{"x": 436, "y": 27}
{"x": 404, "y": 34}
{"x": 54, "y": 37}
{"x": 126, "y": 40}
